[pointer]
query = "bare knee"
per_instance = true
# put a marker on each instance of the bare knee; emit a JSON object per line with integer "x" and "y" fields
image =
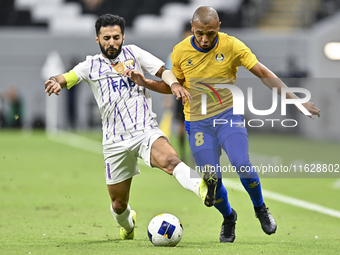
{"x": 119, "y": 206}
{"x": 164, "y": 156}
{"x": 170, "y": 162}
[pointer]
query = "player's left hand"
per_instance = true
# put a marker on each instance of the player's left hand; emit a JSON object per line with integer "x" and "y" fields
{"x": 135, "y": 76}
{"x": 52, "y": 86}
{"x": 180, "y": 92}
{"x": 312, "y": 109}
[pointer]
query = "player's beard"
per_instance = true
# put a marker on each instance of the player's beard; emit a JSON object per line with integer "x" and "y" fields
{"x": 111, "y": 55}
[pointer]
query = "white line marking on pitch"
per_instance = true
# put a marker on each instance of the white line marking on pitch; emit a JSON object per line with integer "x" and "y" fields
{"x": 286, "y": 199}
{"x": 90, "y": 145}
{"x": 76, "y": 141}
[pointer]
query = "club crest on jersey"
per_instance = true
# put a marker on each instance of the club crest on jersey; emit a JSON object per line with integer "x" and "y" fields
{"x": 219, "y": 57}
{"x": 130, "y": 63}
{"x": 190, "y": 62}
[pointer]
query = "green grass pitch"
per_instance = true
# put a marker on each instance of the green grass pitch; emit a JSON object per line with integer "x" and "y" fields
{"x": 53, "y": 200}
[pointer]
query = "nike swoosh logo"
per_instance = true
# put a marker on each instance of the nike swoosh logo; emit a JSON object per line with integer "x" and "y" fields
{"x": 101, "y": 72}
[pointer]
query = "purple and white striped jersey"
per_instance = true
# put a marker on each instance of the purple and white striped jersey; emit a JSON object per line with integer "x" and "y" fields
{"x": 124, "y": 106}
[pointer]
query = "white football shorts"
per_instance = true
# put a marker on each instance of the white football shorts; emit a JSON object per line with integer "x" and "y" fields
{"x": 121, "y": 158}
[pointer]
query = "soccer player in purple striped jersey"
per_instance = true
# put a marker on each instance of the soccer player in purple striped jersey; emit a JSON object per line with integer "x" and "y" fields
{"x": 128, "y": 123}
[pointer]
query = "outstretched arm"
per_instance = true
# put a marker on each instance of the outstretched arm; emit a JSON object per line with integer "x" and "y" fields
{"x": 160, "y": 86}
{"x": 55, "y": 84}
{"x": 272, "y": 81}
{"x": 138, "y": 78}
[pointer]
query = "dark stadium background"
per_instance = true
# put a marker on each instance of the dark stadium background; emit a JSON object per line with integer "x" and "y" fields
{"x": 287, "y": 36}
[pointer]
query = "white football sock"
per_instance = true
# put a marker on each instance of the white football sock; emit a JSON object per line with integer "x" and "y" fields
{"x": 124, "y": 219}
{"x": 187, "y": 177}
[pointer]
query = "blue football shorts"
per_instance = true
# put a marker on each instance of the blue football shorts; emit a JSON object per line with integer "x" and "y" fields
{"x": 210, "y": 133}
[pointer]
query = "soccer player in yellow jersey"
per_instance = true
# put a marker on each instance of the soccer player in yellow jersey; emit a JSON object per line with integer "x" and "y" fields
{"x": 200, "y": 61}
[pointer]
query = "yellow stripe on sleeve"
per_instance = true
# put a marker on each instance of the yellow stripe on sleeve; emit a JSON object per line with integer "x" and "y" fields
{"x": 71, "y": 79}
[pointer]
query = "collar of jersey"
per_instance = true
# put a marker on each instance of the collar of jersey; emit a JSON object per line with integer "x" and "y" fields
{"x": 199, "y": 49}
{"x": 109, "y": 61}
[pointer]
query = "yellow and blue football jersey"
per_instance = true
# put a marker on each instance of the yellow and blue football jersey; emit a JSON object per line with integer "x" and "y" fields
{"x": 201, "y": 69}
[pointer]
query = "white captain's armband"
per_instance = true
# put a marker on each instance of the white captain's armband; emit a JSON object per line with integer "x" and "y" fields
{"x": 168, "y": 77}
{"x": 71, "y": 79}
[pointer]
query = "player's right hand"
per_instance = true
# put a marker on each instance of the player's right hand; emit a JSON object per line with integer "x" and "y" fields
{"x": 52, "y": 87}
{"x": 312, "y": 109}
{"x": 135, "y": 76}
{"x": 180, "y": 92}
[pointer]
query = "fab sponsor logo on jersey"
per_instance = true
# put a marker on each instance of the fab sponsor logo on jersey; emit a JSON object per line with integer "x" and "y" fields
{"x": 212, "y": 89}
{"x": 122, "y": 83}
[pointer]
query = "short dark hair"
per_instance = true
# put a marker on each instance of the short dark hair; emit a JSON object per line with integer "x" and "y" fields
{"x": 110, "y": 20}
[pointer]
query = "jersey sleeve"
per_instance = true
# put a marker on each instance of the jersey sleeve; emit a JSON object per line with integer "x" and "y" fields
{"x": 148, "y": 62}
{"x": 243, "y": 55}
{"x": 176, "y": 68}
